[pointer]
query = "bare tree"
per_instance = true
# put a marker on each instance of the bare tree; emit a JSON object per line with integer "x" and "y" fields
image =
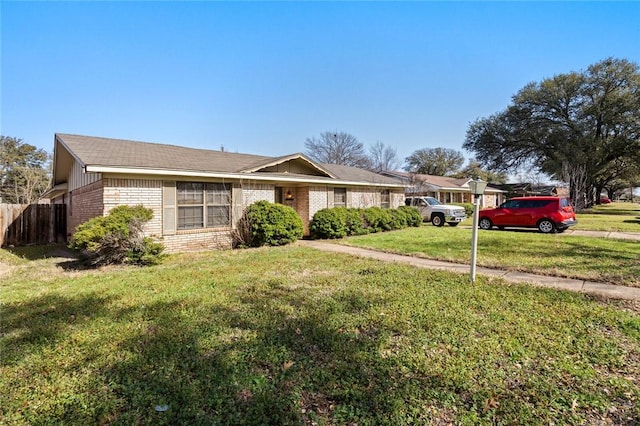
{"x": 383, "y": 158}
{"x": 577, "y": 177}
{"x": 337, "y": 148}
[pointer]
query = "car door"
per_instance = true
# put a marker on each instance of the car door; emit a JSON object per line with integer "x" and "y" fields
{"x": 506, "y": 213}
{"x": 422, "y": 206}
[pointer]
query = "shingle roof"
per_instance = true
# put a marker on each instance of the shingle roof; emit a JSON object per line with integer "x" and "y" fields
{"x": 118, "y": 153}
{"x": 441, "y": 181}
{"x": 96, "y": 151}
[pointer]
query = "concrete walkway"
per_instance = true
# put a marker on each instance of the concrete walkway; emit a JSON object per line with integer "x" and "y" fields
{"x": 570, "y": 284}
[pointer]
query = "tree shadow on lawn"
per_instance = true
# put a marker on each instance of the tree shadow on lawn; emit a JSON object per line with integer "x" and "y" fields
{"x": 272, "y": 354}
{"x": 43, "y": 251}
{"x": 31, "y": 326}
{"x": 636, "y": 221}
{"x": 258, "y": 364}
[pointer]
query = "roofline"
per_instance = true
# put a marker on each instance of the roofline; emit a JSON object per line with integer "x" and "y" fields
{"x": 290, "y": 157}
{"x": 239, "y": 176}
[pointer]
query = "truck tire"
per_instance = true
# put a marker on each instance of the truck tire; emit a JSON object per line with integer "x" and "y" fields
{"x": 437, "y": 220}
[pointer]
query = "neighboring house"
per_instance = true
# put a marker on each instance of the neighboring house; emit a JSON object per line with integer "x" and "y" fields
{"x": 526, "y": 189}
{"x": 197, "y": 195}
{"x": 447, "y": 189}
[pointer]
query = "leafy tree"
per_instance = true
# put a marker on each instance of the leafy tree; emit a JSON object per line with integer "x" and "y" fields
{"x": 382, "y": 157}
{"x": 24, "y": 172}
{"x": 474, "y": 169}
{"x": 572, "y": 126}
{"x": 434, "y": 161}
{"x": 337, "y": 148}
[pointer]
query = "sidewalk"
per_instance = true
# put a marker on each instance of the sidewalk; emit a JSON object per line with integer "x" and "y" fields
{"x": 569, "y": 284}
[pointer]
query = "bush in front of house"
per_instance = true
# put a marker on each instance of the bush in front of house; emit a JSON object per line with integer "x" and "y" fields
{"x": 468, "y": 208}
{"x": 117, "y": 238}
{"x": 329, "y": 223}
{"x": 413, "y": 216}
{"x": 340, "y": 222}
{"x": 377, "y": 219}
{"x": 272, "y": 224}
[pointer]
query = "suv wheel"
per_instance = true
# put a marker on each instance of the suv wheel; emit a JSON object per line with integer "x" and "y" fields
{"x": 485, "y": 224}
{"x": 437, "y": 220}
{"x": 546, "y": 226}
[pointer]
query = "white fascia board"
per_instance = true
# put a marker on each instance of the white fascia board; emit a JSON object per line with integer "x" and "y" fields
{"x": 236, "y": 176}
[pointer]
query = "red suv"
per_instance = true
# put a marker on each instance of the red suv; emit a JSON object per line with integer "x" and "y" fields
{"x": 548, "y": 214}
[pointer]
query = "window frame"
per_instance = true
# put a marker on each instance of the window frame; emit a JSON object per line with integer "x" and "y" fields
{"x": 385, "y": 199}
{"x": 342, "y": 191}
{"x": 207, "y": 197}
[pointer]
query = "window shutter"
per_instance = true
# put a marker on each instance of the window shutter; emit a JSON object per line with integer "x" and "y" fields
{"x": 349, "y": 198}
{"x": 237, "y": 206}
{"x": 168, "y": 208}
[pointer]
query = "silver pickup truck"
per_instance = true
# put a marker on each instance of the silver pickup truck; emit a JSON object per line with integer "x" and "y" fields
{"x": 435, "y": 212}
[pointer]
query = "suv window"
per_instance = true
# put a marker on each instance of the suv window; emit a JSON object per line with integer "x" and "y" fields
{"x": 511, "y": 204}
{"x": 564, "y": 202}
{"x": 534, "y": 204}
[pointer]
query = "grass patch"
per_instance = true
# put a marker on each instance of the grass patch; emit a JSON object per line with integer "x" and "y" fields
{"x": 296, "y": 336}
{"x": 617, "y": 217}
{"x": 596, "y": 259}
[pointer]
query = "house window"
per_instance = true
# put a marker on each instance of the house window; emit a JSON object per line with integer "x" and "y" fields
{"x": 203, "y": 205}
{"x": 340, "y": 197}
{"x": 385, "y": 199}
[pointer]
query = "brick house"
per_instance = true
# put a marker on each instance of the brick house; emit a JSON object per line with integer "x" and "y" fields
{"x": 197, "y": 196}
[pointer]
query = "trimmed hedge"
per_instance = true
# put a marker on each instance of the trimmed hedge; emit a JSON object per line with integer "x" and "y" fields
{"x": 272, "y": 224}
{"x": 340, "y": 222}
{"x": 117, "y": 238}
{"x": 468, "y": 208}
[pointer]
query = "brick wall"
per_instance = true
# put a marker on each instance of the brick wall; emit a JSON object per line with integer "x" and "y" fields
{"x": 132, "y": 192}
{"x": 197, "y": 240}
{"x": 256, "y": 192}
{"x": 319, "y": 199}
{"x": 84, "y": 203}
{"x": 397, "y": 199}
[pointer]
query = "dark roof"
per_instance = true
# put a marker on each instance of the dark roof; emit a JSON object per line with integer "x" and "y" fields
{"x": 119, "y": 153}
{"x": 442, "y": 181}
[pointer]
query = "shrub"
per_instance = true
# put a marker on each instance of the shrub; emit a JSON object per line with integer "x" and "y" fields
{"x": 329, "y": 223}
{"x": 377, "y": 219}
{"x": 398, "y": 219}
{"x": 468, "y": 208}
{"x": 272, "y": 224}
{"x": 118, "y": 238}
{"x": 414, "y": 218}
{"x": 354, "y": 221}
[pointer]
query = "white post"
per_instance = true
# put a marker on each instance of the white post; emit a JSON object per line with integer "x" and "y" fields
{"x": 474, "y": 237}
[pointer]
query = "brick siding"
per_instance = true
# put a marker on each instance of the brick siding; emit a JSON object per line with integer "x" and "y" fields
{"x": 84, "y": 203}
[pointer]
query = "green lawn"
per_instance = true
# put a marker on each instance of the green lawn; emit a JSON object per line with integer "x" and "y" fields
{"x": 295, "y": 336}
{"x": 598, "y": 259}
{"x": 621, "y": 217}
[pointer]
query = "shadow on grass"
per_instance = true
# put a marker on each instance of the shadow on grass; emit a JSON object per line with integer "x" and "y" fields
{"x": 261, "y": 365}
{"x": 29, "y": 327}
{"x": 271, "y": 353}
{"x": 636, "y": 221}
{"x": 37, "y": 252}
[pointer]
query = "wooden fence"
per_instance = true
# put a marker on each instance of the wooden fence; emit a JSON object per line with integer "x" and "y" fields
{"x": 24, "y": 224}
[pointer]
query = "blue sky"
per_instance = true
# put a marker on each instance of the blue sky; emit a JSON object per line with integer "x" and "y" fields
{"x": 261, "y": 77}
